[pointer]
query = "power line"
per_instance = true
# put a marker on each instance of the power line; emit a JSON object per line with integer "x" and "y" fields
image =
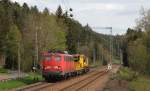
{"x": 101, "y": 27}
{"x": 67, "y": 2}
{"x": 63, "y": 3}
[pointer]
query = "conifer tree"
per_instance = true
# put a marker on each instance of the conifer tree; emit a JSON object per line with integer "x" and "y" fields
{"x": 59, "y": 12}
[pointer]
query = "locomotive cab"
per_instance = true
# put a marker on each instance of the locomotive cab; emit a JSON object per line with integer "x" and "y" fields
{"x": 57, "y": 65}
{"x": 52, "y": 65}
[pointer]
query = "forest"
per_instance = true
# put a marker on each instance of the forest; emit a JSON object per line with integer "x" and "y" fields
{"x": 25, "y": 32}
{"x": 136, "y": 45}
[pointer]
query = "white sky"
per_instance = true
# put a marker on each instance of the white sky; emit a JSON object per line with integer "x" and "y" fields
{"x": 118, "y": 14}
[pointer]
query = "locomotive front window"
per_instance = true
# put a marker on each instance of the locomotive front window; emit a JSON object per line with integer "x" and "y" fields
{"x": 58, "y": 58}
{"x": 48, "y": 58}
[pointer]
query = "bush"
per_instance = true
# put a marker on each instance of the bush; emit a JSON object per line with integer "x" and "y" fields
{"x": 127, "y": 74}
{"x": 140, "y": 84}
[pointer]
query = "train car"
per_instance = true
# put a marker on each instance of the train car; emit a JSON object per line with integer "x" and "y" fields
{"x": 57, "y": 65}
{"x": 81, "y": 63}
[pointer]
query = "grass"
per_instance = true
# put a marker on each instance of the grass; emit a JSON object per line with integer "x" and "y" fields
{"x": 14, "y": 83}
{"x": 127, "y": 74}
{"x": 2, "y": 70}
{"x": 116, "y": 61}
{"x": 106, "y": 89}
{"x": 36, "y": 75}
{"x": 20, "y": 82}
{"x": 136, "y": 82}
{"x": 142, "y": 83}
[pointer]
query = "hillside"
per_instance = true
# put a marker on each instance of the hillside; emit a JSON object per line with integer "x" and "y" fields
{"x": 27, "y": 31}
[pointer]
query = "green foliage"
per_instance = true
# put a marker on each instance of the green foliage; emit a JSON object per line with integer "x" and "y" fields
{"x": 97, "y": 64}
{"x": 82, "y": 39}
{"x": 2, "y": 70}
{"x": 5, "y": 22}
{"x": 14, "y": 37}
{"x": 126, "y": 74}
{"x": 20, "y": 24}
{"x": 138, "y": 56}
{"x": 13, "y": 43}
{"x": 59, "y": 12}
{"x": 136, "y": 82}
{"x": 60, "y": 41}
{"x": 20, "y": 82}
{"x": 11, "y": 84}
{"x": 137, "y": 45}
{"x": 140, "y": 84}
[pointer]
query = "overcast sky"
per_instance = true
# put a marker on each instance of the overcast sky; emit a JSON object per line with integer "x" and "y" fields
{"x": 118, "y": 14}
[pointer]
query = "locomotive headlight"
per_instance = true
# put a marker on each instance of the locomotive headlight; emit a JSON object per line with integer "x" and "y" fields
{"x": 54, "y": 67}
{"x": 57, "y": 67}
{"x": 48, "y": 67}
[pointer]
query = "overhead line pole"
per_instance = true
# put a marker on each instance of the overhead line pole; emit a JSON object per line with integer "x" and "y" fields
{"x": 111, "y": 45}
{"x": 19, "y": 60}
{"x": 36, "y": 46}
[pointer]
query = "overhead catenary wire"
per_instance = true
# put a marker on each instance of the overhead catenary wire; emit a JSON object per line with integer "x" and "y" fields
{"x": 62, "y": 3}
{"x": 67, "y": 2}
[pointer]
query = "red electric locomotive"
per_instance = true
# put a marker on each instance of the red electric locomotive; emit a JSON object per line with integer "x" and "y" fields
{"x": 57, "y": 65}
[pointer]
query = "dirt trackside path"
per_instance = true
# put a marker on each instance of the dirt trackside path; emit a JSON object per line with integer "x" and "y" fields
{"x": 100, "y": 83}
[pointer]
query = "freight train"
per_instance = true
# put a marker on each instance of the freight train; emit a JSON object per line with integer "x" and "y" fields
{"x": 63, "y": 65}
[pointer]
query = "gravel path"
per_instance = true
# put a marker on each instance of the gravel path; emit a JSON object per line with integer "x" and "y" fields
{"x": 11, "y": 75}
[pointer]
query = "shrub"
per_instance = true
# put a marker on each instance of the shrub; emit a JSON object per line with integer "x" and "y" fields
{"x": 127, "y": 74}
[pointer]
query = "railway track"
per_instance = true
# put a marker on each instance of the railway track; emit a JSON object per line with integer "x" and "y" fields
{"x": 35, "y": 87}
{"x": 84, "y": 82}
{"x": 41, "y": 85}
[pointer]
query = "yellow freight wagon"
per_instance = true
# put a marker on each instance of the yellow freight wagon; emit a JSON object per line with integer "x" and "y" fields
{"x": 81, "y": 63}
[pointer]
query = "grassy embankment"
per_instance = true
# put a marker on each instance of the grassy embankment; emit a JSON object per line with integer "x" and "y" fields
{"x": 20, "y": 82}
{"x": 3, "y": 71}
{"x": 128, "y": 80}
{"x": 142, "y": 83}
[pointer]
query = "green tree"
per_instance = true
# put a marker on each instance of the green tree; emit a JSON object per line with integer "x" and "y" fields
{"x": 14, "y": 41}
{"x": 20, "y": 24}
{"x": 59, "y": 12}
{"x": 46, "y": 11}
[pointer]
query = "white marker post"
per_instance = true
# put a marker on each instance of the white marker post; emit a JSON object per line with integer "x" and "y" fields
{"x": 109, "y": 67}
